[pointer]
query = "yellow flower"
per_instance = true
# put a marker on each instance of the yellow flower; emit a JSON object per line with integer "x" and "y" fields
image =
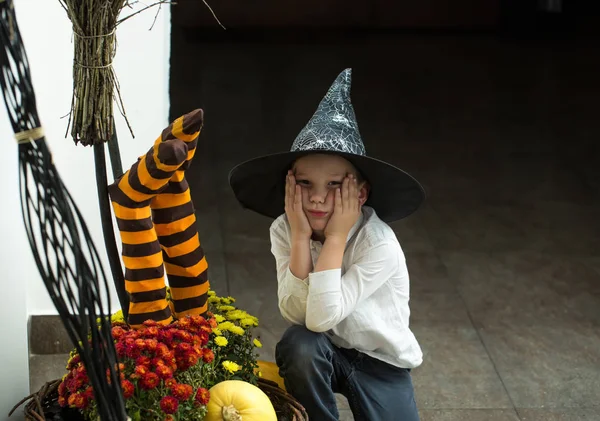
{"x": 217, "y": 331}
{"x": 219, "y": 318}
{"x": 226, "y": 308}
{"x": 236, "y": 314}
{"x": 237, "y": 330}
{"x": 211, "y": 293}
{"x": 247, "y": 322}
{"x": 117, "y": 317}
{"x": 231, "y": 299}
{"x": 214, "y": 300}
{"x": 221, "y": 341}
{"x": 225, "y": 300}
{"x": 260, "y": 374}
{"x": 257, "y": 343}
{"x": 231, "y": 366}
{"x": 225, "y": 325}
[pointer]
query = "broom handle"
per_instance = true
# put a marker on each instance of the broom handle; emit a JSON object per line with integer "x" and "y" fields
{"x": 106, "y": 217}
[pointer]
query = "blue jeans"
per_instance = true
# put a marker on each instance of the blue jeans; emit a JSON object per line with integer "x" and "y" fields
{"x": 314, "y": 369}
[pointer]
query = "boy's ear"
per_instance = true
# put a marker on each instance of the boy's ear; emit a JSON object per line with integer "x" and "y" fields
{"x": 363, "y": 193}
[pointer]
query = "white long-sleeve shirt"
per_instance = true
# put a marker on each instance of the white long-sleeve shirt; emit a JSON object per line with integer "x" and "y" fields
{"x": 363, "y": 305}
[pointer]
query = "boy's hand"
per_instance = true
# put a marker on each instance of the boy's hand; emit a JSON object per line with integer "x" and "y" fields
{"x": 346, "y": 210}
{"x": 293, "y": 208}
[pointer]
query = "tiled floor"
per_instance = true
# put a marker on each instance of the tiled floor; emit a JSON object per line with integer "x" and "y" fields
{"x": 505, "y": 254}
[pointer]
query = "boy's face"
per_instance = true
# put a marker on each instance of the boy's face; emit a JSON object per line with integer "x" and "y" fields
{"x": 319, "y": 175}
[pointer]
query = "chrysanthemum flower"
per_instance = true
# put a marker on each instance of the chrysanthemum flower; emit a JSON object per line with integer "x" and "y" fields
{"x": 202, "y": 396}
{"x": 150, "y": 381}
{"x": 169, "y": 404}
{"x": 128, "y": 389}
{"x": 257, "y": 343}
{"x": 230, "y": 366}
{"x": 221, "y": 341}
{"x": 182, "y": 391}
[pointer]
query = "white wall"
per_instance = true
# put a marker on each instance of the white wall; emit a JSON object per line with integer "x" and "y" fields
{"x": 142, "y": 66}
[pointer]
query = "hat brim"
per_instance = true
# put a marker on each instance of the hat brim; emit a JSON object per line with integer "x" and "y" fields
{"x": 259, "y": 184}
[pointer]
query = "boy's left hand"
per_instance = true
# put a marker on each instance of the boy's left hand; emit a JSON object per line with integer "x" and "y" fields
{"x": 346, "y": 210}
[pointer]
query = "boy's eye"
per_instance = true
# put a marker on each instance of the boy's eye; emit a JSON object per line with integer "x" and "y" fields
{"x": 335, "y": 183}
{"x": 302, "y": 182}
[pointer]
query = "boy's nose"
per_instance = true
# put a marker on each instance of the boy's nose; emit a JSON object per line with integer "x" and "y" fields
{"x": 318, "y": 196}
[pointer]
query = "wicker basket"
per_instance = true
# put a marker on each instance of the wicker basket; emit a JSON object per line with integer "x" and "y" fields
{"x": 43, "y": 405}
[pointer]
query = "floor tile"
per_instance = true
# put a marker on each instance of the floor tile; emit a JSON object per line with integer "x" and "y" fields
{"x": 577, "y": 414}
{"x": 527, "y": 288}
{"x": 546, "y": 366}
{"x": 468, "y": 415}
{"x": 457, "y": 371}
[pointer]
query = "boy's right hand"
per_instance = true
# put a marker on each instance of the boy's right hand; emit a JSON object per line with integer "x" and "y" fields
{"x": 293, "y": 208}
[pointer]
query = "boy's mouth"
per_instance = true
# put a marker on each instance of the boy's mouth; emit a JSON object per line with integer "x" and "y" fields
{"x": 317, "y": 214}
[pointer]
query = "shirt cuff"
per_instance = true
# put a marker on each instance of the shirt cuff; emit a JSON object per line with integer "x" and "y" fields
{"x": 325, "y": 281}
{"x": 297, "y": 283}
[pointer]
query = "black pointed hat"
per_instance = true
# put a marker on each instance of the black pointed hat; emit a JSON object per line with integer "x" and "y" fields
{"x": 259, "y": 184}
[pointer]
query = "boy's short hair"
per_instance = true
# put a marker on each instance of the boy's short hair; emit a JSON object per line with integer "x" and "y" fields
{"x": 359, "y": 176}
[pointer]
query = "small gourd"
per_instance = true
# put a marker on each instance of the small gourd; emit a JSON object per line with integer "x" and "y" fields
{"x": 236, "y": 400}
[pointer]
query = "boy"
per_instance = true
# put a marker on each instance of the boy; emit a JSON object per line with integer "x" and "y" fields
{"x": 342, "y": 276}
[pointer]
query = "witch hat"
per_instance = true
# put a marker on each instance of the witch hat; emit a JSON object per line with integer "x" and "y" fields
{"x": 259, "y": 183}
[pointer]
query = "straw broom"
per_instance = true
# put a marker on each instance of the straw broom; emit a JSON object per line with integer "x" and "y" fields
{"x": 94, "y": 80}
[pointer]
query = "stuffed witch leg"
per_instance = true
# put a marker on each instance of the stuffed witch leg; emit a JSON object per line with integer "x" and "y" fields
{"x": 65, "y": 255}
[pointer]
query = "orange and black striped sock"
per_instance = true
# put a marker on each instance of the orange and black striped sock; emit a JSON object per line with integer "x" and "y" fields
{"x": 131, "y": 195}
{"x": 175, "y": 223}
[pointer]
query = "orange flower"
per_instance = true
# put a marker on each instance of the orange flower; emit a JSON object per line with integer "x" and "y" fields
{"x": 182, "y": 391}
{"x": 62, "y": 401}
{"x": 208, "y": 355}
{"x": 149, "y": 323}
{"x": 212, "y": 322}
{"x": 169, "y": 404}
{"x": 164, "y": 372}
{"x": 128, "y": 389}
{"x": 143, "y": 360}
{"x": 152, "y": 331}
{"x": 140, "y": 370}
{"x": 151, "y": 344}
{"x": 118, "y": 332}
{"x": 77, "y": 400}
{"x": 170, "y": 382}
{"x": 169, "y": 418}
{"x": 202, "y": 396}
{"x": 150, "y": 381}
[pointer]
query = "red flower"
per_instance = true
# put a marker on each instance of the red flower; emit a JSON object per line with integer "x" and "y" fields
{"x": 77, "y": 400}
{"x": 183, "y": 348}
{"x": 169, "y": 418}
{"x": 188, "y": 360}
{"x": 184, "y": 323}
{"x": 143, "y": 360}
{"x": 118, "y": 332}
{"x": 140, "y": 343}
{"x": 212, "y": 322}
{"x": 170, "y": 382}
{"x": 169, "y": 404}
{"x": 202, "y": 396}
{"x": 151, "y": 332}
{"x": 89, "y": 393}
{"x": 157, "y": 362}
{"x": 150, "y": 381}
{"x": 128, "y": 389}
{"x": 149, "y": 323}
{"x": 163, "y": 351}
{"x": 164, "y": 372}
{"x": 73, "y": 362}
{"x": 184, "y": 336}
{"x": 151, "y": 344}
{"x": 62, "y": 401}
{"x": 182, "y": 391}
{"x": 139, "y": 371}
{"x": 62, "y": 389}
{"x": 208, "y": 355}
